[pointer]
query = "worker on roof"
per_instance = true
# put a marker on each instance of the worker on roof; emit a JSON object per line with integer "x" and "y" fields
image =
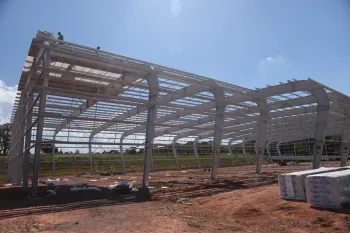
{"x": 60, "y": 36}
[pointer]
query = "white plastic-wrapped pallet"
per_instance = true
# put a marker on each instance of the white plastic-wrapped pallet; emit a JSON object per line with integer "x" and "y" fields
{"x": 292, "y": 185}
{"x": 328, "y": 190}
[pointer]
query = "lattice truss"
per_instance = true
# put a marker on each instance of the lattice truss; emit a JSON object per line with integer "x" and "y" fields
{"x": 76, "y": 97}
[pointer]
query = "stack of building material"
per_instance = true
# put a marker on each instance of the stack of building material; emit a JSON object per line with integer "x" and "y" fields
{"x": 329, "y": 190}
{"x": 292, "y": 185}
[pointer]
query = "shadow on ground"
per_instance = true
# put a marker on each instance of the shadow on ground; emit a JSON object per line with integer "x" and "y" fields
{"x": 14, "y": 202}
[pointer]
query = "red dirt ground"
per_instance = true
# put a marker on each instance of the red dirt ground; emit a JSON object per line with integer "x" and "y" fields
{"x": 239, "y": 201}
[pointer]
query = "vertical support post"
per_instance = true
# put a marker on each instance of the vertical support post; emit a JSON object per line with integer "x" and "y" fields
{"x": 243, "y": 146}
{"x": 344, "y": 153}
{"x": 321, "y": 127}
{"x": 219, "y": 124}
{"x": 268, "y": 151}
{"x": 122, "y": 153}
{"x": 53, "y": 157}
{"x": 256, "y": 147}
{"x": 150, "y": 129}
{"x": 264, "y": 115}
{"x": 90, "y": 155}
{"x": 295, "y": 150}
{"x": 40, "y": 124}
{"x": 229, "y": 145}
{"x": 345, "y": 142}
{"x": 279, "y": 150}
{"x": 152, "y": 162}
{"x": 195, "y": 150}
{"x": 175, "y": 155}
{"x": 27, "y": 143}
{"x": 19, "y": 154}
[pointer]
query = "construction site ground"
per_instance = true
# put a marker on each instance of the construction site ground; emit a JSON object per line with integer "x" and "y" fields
{"x": 181, "y": 201}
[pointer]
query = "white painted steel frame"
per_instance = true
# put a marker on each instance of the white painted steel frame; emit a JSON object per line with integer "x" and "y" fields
{"x": 66, "y": 88}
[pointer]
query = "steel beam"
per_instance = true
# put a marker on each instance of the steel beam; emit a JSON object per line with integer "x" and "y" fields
{"x": 28, "y": 136}
{"x": 175, "y": 155}
{"x": 40, "y": 124}
{"x": 195, "y": 150}
{"x": 264, "y": 114}
{"x": 153, "y": 82}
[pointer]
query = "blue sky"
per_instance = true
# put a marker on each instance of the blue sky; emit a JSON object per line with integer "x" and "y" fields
{"x": 248, "y": 43}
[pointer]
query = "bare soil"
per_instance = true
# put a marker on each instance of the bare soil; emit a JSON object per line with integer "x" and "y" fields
{"x": 181, "y": 201}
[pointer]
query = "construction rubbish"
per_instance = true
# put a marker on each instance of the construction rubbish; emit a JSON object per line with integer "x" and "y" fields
{"x": 292, "y": 185}
{"x": 112, "y": 186}
{"x": 167, "y": 174}
{"x": 104, "y": 179}
{"x": 84, "y": 187}
{"x": 329, "y": 190}
{"x": 48, "y": 181}
{"x": 49, "y": 193}
{"x": 65, "y": 180}
{"x": 122, "y": 188}
{"x": 8, "y": 185}
{"x": 93, "y": 189}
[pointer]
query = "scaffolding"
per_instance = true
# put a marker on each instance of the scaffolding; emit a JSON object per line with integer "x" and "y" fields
{"x": 73, "y": 96}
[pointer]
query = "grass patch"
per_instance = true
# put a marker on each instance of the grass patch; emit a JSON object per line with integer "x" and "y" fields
{"x": 76, "y": 164}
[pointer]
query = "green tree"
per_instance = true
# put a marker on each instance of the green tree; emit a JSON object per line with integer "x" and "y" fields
{"x": 5, "y": 136}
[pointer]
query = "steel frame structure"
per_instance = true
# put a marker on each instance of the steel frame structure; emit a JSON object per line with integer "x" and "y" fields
{"x": 70, "y": 94}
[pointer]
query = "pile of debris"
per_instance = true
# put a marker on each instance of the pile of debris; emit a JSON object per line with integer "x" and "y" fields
{"x": 51, "y": 187}
{"x": 123, "y": 188}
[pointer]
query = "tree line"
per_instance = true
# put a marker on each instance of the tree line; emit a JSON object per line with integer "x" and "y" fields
{"x": 5, "y": 136}
{"x": 301, "y": 147}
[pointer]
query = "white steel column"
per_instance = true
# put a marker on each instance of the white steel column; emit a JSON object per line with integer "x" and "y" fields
{"x": 268, "y": 150}
{"x": 219, "y": 123}
{"x": 40, "y": 124}
{"x": 346, "y": 134}
{"x": 28, "y": 136}
{"x": 150, "y": 130}
{"x": 264, "y": 115}
{"x": 122, "y": 153}
{"x": 346, "y": 142}
{"x": 243, "y": 146}
{"x": 279, "y": 150}
{"x": 195, "y": 150}
{"x": 90, "y": 155}
{"x": 175, "y": 155}
{"x": 19, "y": 158}
{"x": 229, "y": 144}
{"x": 53, "y": 157}
{"x": 321, "y": 126}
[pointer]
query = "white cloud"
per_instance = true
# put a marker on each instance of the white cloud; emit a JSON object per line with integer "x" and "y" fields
{"x": 7, "y": 99}
{"x": 272, "y": 60}
{"x": 175, "y": 7}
